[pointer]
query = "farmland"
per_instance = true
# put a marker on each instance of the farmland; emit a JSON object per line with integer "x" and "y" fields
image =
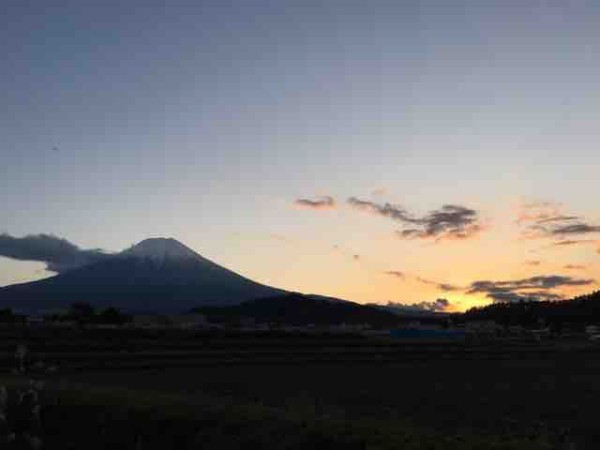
{"x": 373, "y": 392}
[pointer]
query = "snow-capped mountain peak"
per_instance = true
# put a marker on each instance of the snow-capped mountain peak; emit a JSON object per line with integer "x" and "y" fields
{"x": 161, "y": 249}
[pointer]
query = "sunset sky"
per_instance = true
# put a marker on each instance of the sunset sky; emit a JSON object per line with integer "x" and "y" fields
{"x": 376, "y": 151}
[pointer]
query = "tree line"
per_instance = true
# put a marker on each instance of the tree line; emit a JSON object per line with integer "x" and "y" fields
{"x": 578, "y": 312}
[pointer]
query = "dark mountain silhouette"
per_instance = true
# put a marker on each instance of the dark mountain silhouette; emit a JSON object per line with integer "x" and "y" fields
{"x": 579, "y": 310}
{"x": 412, "y": 311}
{"x": 157, "y": 275}
{"x": 298, "y": 309}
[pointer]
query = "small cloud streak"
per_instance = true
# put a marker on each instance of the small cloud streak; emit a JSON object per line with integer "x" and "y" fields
{"x": 388, "y": 210}
{"x": 59, "y": 254}
{"x": 538, "y": 211}
{"x": 534, "y": 263}
{"x": 570, "y": 242}
{"x": 396, "y": 273}
{"x": 446, "y": 287}
{"x": 575, "y": 267}
{"x": 565, "y": 243}
{"x": 575, "y": 228}
{"x": 320, "y": 203}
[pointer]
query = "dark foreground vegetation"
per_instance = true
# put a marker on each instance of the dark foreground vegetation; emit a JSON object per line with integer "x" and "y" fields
{"x": 579, "y": 311}
{"x": 78, "y": 416}
{"x": 136, "y": 389}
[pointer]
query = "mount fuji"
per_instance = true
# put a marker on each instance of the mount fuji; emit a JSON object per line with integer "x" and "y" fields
{"x": 158, "y": 275}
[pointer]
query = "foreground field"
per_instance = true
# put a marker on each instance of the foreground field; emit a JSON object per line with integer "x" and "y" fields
{"x": 538, "y": 400}
{"x": 77, "y": 416}
{"x": 277, "y": 391}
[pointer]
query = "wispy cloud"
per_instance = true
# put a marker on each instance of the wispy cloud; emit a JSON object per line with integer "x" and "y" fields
{"x": 548, "y": 220}
{"x": 388, "y": 210}
{"x": 533, "y": 288}
{"x": 570, "y": 242}
{"x": 396, "y": 273}
{"x": 574, "y": 228}
{"x": 319, "y": 203}
{"x": 59, "y": 254}
{"x": 575, "y": 267}
{"x": 538, "y": 211}
{"x": 446, "y": 287}
{"x": 447, "y": 222}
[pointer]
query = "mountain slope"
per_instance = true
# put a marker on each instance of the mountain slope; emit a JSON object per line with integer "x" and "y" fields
{"x": 156, "y": 275}
{"x": 298, "y": 309}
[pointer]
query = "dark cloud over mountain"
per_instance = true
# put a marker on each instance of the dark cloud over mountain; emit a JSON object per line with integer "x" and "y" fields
{"x": 59, "y": 254}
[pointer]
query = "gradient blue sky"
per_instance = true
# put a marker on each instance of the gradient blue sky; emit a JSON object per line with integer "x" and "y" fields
{"x": 205, "y": 120}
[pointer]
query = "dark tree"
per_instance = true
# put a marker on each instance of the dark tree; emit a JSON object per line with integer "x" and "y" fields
{"x": 81, "y": 312}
